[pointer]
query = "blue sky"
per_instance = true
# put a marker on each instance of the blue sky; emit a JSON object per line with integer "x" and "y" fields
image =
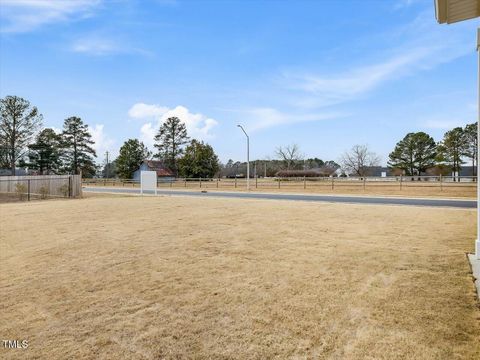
{"x": 323, "y": 74}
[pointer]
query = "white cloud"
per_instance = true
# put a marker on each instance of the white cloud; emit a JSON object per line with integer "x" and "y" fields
{"x": 28, "y": 15}
{"x": 418, "y": 46}
{"x": 198, "y": 125}
{"x": 147, "y": 133}
{"x": 95, "y": 46}
{"x": 102, "y": 141}
{"x": 100, "y": 45}
{"x": 346, "y": 86}
{"x": 260, "y": 118}
{"x": 142, "y": 110}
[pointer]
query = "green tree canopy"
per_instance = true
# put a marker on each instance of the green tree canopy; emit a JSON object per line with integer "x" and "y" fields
{"x": 415, "y": 153}
{"x": 19, "y": 122}
{"x": 44, "y": 154}
{"x": 169, "y": 141}
{"x": 132, "y": 153}
{"x": 76, "y": 142}
{"x": 471, "y": 144}
{"x": 109, "y": 170}
{"x": 453, "y": 147}
{"x": 199, "y": 161}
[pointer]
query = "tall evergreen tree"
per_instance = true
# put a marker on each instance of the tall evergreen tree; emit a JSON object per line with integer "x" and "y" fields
{"x": 169, "y": 141}
{"x": 199, "y": 161}
{"x": 453, "y": 147}
{"x": 132, "y": 153}
{"x": 471, "y": 144}
{"x": 44, "y": 154}
{"x": 77, "y": 151}
{"x": 19, "y": 122}
{"x": 415, "y": 153}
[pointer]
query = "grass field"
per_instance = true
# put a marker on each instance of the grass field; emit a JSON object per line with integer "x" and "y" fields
{"x": 119, "y": 277}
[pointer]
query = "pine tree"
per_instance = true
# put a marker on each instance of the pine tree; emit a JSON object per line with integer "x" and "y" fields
{"x": 44, "y": 154}
{"x": 471, "y": 144}
{"x": 76, "y": 142}
{"x": 169, "y": 141}
{"x": 415, "y": 153}
{"x": 453, "y": 147}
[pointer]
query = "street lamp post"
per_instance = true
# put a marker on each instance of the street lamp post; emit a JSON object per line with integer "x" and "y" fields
{"x": 248, "y": 157}
{"x": 452, "y": 11}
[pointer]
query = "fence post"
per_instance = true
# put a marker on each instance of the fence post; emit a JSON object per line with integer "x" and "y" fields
{"x": 200, "y": 182}
{"x": 279, "y": 180}
{"x": 218, "y": 180}
{"x": 28, "y": 191}
{"x": 441, "y": 185}
{"x": 401, "y": 179}
{"x": 235, "y": 182}
{"x": 333, "y": 182}
{"x": 364, "y": 182}
{"x": 304, "y": 182}
{"x": 185, "y": 181}
{"x": 256, "y": 181}
{"x": 70, "y": 186}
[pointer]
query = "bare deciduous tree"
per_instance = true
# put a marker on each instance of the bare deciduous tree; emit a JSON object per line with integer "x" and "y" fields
{"x": 290, "y": 155}
{"x": 19, "y": 122}
{"x": 358, "y": 160}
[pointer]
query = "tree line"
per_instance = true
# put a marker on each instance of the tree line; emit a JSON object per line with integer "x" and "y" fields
{"x": 24, "y": 143}
{"x": 181, "y": 155}
{"x": 418, "y": 152}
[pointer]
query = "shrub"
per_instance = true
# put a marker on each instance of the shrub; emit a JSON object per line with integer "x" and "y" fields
{"x": 21, "y": 189}
{"x": 297, "y": 173}
{"x": 43, "y": 192}
{"x": 64, "y": 190}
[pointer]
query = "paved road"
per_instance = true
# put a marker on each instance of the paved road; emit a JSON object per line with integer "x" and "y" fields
{"x": 466, "y": 204}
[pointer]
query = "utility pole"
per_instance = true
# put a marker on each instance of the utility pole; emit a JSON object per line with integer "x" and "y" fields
{"x": 248, "y": 156}
{"x": 106, "y": 167}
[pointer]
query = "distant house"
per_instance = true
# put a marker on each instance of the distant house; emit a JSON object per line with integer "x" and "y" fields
{"x": 18, "y": 172}
{"x": 381, "y": 171}
{"x": 375, "y": 171}
{"x": 154, "y": 165}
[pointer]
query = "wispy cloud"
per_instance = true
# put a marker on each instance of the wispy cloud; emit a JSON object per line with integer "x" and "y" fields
{"x": 199, "y": 126}
{"x": 346, "y": 86}
{"x": 101, "y": 45}
{"x": 261, "y": 118}
{"x": 28, "y": 15}
{"x": 423, "y": 47}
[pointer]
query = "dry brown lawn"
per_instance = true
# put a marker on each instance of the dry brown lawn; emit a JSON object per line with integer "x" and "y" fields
{"x": 121, "y": 277}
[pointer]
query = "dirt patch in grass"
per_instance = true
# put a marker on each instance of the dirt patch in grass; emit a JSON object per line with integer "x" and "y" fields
{"x": 159, "y": 277}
